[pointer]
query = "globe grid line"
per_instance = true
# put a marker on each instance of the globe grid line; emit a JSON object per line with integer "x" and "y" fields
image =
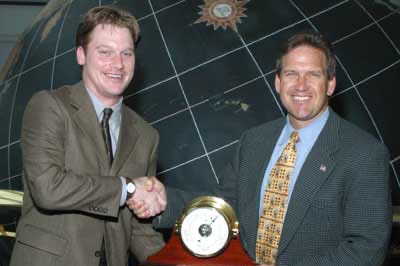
{"x": 353, "y": 85}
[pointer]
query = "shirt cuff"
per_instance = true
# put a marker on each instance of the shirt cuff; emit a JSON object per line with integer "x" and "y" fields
{"x": 124, "y": 192}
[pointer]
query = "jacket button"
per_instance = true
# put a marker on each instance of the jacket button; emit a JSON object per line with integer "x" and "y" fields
{"x": 97, "y": 253}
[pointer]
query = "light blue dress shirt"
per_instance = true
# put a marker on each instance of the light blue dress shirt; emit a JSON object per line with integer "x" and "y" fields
{"x": 114, "y": 121}
{"x": 308, "y": 136}
{"x": 115, "y": 125}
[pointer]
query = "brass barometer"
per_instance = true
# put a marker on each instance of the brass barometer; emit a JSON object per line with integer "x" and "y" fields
{"x": 206, "y": 226}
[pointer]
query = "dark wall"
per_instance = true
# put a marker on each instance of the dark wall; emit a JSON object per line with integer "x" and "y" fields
{"x": 202, "y": 85}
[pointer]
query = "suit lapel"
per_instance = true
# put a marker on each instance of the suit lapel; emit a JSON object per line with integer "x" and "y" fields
{"x": 86, "y": 119}
{"x": 315, "y": 171}
{"x": 126, "y": 141}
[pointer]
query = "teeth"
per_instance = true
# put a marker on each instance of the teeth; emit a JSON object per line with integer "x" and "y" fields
{"x": 301, "y": 98}
{"x": 114, "y": 75}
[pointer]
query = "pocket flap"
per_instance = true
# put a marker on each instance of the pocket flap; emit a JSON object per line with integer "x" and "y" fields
{"x": 42, "y": 239}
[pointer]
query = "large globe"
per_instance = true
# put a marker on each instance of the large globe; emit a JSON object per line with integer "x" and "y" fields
{"x": 205, "y": 73}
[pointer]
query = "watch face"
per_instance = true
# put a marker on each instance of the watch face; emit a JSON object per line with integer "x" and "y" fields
{"x": 130, "y": 187}
{"x": 205, "y": 231}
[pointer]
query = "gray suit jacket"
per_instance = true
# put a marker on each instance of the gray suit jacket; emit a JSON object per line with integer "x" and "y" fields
{"x": 340, "y": 209}
{"x": 71, "y": 195}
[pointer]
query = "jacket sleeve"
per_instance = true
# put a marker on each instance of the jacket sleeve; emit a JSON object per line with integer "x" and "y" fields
{"x": 52, "y": 186}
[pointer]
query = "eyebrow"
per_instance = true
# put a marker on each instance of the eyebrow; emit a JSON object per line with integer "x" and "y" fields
{"x": 109, "y": 47}
{"x": 295, "y": 70}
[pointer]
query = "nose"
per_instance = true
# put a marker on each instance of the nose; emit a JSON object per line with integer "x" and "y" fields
{"x": 118, "y": 61}
{"x": 302, "y": 83}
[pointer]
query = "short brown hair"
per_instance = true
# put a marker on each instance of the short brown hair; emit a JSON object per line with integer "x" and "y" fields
{"x": 312, "y": 39}
{"x": 105, "y": 15}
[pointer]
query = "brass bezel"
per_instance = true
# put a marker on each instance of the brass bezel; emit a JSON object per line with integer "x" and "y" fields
{"x": 222, "y": 207}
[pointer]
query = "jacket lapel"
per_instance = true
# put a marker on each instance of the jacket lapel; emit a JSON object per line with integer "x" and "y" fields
{"x": 86, "y": 119}
{"x": 315, "y": 171}
{"x": 128, "y": 136}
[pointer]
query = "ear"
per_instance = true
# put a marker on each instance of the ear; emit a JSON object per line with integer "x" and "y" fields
{"x": 80, "y": 55}
{"x": 331, "y": 86}
{"x": 277, "y": 83}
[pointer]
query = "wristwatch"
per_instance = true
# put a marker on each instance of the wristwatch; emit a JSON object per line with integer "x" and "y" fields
{"x": 130, "y": 187}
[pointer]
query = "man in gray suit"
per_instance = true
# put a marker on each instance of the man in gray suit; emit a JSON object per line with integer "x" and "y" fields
{"x": 77, "y": 180}
{"x": 339, "y": 206}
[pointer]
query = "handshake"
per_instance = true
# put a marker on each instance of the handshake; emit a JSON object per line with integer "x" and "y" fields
{"x": 149, "y": 198}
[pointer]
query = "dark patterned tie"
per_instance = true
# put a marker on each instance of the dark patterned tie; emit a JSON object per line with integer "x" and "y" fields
{"x": 275, "y": 204}
{"x": 105, "y": 130}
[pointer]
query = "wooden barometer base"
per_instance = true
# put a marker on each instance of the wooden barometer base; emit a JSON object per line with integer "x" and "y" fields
{"x": 175, "y": 254}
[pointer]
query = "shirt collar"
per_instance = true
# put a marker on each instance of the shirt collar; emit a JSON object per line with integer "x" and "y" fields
{"x": 309, "y": 133}
{"x": 99, "y": 107}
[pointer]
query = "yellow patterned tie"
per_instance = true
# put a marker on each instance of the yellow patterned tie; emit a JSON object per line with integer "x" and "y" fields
{"x": 275, "y": 204}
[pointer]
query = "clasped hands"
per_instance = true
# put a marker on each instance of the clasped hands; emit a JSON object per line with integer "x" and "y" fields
{"x": 149, "y": 198}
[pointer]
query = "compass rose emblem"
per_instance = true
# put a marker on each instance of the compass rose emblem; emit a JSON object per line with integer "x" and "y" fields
{"x": 222, "y": 13}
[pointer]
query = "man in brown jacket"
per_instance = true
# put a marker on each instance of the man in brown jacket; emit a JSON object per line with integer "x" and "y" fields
{"x": 76, "y": 177}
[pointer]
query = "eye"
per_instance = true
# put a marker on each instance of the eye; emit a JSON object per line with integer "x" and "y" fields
{"x": 315, "y": 74}
{"x": 105, "y": 52}
{"x": 291, "y": 74}
{"x": 128, "y": 53}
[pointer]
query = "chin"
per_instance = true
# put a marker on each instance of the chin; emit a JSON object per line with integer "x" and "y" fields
{"x": 117, "y": 90}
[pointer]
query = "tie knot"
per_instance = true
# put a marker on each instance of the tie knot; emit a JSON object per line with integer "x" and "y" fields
{"x": 294, "y": 137}
{"x": 107, "y": 112}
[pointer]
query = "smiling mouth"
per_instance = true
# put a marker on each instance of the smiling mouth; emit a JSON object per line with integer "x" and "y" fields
{"x": 301, "y": 98}
{"x": 114, "y": 76}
